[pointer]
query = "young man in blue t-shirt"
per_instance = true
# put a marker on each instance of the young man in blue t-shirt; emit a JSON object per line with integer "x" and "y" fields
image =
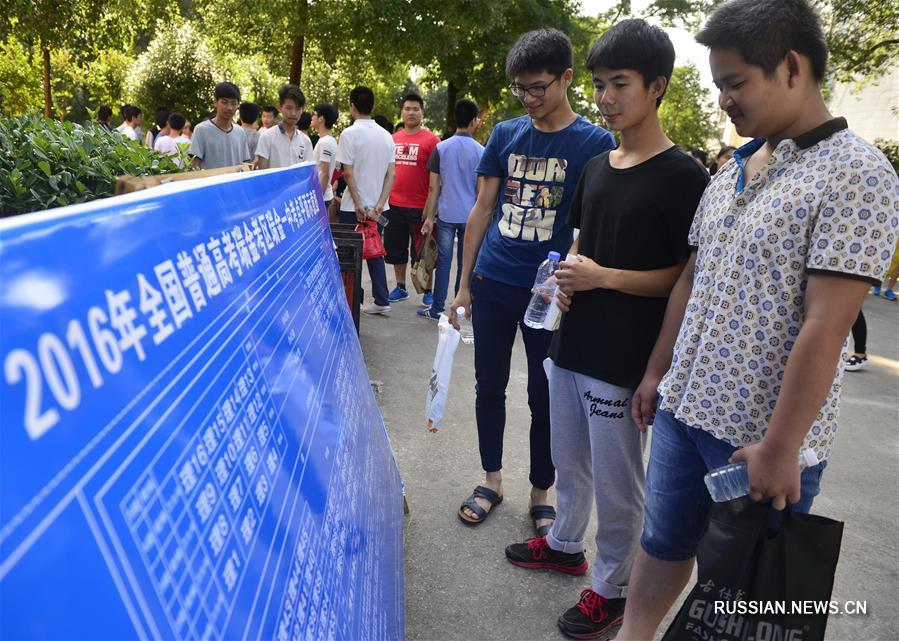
{"x": 530, "y": 168}
{"x": 452, "y": 192}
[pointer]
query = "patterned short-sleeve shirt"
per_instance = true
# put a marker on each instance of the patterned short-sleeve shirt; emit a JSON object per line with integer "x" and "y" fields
{"x": 826, "y": 201}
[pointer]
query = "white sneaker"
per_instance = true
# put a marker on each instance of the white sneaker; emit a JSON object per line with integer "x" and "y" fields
{"x": 374, "y": 308}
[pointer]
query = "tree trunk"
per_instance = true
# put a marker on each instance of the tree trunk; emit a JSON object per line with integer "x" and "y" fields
{"x": 299, "y": 43}
{"x": 48, "y": 99}
{"x": 451, "y": 92}
{"x": 296, "y": 60}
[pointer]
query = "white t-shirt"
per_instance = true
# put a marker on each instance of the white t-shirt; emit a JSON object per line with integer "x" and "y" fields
{"x": 369, "y": 150}
{"x": 168, "y": 146}
{"x": 128, "y": 131}
{"x": 326, "y": 151}
{"x": 281, "y": 151}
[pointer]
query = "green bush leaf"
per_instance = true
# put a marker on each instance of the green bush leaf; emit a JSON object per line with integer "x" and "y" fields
{"x": 46, "y": 163}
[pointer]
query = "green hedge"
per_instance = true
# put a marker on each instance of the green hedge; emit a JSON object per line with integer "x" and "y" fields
{"x": 890, "y": 149}
{"x": 46, "y": 163}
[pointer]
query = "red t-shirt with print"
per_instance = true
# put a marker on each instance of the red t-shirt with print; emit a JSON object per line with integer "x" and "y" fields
{"x": 410, "y": 189}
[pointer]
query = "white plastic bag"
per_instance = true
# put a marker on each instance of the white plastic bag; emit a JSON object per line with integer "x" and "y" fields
{"x": 438, "y": 384}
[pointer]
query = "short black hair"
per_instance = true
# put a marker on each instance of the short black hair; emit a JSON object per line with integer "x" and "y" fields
{"x": 414, "y": 97}
{"x": 634, "y": 44}
{"x": 125, "y": 110}
{"x": 546, "y": 50}
{"x": 763, "y": 31}
{"x": 177, "y": 121}
{"x": 363, "y": 99}
{"x": 133, "y": 112}
{"x": 465, "y": 111}
{"x": 249, "y": 112}
{"x": 305, "y": 121}
{"x": 226, "y": 90}
{"x": 104, "y": 113}
{"x": 724, "y": 150}
{"x": 269, "y": 109}
{"x": 291, "y": 92}
{"x": 161, "y": 116}
{"x": 699, "y": 154}
{"x": 328, "y": 112}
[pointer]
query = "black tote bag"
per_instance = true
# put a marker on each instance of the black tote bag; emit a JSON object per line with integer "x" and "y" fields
{"x": 759, "y": 583}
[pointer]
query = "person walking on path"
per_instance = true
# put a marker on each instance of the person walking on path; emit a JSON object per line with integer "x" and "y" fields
{"x": 889, "y": 281}
{"x": 530, "y": 167}
{"x": 756, "y": 325}
{"x": 633, "y": 207}
{"x": 324, "y": 154}
{"x": 403, "y": 237}
{"x": 366, "y": 153}
{"x": 859, "y": 344}
{"x": 248, "y": 114}
{"x": 451, "y": 195}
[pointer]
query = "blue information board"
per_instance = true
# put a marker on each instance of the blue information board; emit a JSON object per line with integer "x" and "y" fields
{"x": 190, "y": 447}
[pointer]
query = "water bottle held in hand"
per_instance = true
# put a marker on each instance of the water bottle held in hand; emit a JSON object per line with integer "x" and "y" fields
{"x": 371, "y": 214}
{"x": 731, "y": 481}
{"x": 554, "y": 314}
{"x": 544, "y": 288}
{"x": 466, "y": 332}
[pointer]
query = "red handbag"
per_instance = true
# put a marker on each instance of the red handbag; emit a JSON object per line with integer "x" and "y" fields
{"x": 372, "y": 245}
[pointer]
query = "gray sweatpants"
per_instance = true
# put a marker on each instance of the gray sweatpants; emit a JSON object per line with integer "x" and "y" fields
{"x": 598, "y": 452}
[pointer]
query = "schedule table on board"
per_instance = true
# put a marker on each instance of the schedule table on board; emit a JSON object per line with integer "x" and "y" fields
{"x": 189, "y": 447}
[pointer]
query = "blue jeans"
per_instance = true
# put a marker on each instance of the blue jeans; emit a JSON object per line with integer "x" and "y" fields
{"x": 497, "y": 314}
{"x": 446, "y": 234}
{"x": 677, "y": 502}
{"x": 376, "y": 269}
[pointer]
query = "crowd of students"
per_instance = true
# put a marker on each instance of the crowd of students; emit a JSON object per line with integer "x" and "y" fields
{"x": 715, "y": 310}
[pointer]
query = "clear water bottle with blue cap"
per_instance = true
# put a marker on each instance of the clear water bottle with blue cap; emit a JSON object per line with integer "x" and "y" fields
{"x": 544, "y": 288}
{"x": 731, "y": 481}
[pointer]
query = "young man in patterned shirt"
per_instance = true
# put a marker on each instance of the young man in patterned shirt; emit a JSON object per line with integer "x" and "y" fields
{"x": 788, "y": 239}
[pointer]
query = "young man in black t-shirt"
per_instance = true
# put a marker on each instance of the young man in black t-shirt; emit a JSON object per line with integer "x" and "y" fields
{"x": 633, "y": 207}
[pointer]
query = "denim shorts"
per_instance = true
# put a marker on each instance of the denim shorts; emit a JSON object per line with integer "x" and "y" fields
{"x": 677, "y": 500}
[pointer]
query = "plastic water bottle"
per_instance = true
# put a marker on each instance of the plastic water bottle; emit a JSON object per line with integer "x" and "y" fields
{"x": 551, "y": 321}
{"x": 370, "y": 213}
{"x": 543, "y": 285}
{"x": 731, "y": 481}
{"x": 466, "y": 333}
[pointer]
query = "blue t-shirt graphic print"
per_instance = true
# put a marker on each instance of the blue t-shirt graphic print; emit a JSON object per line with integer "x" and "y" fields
{"x": 539, "y": 172}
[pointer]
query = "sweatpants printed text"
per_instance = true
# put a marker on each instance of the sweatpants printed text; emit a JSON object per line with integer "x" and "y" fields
{"x": 596, "y": 402}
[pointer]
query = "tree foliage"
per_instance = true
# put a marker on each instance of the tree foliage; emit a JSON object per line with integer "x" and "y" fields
{"x": 20, "y": 78}
{"x": 74, "y": 31}
{"x": 252, "y": 75}
{"x": 77, "y": 86}
{"x": 455, "y": 48}
{"x": 862, "y": 35}
{"x": 177, "y": 70}
{"x": 686, "y": 113}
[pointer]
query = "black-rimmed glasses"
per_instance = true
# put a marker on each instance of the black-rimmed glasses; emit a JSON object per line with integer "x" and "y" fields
{"x": 535, "y": 91}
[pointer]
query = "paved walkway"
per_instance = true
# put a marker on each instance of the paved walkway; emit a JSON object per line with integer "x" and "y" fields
{"x": 458, "y": 582}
